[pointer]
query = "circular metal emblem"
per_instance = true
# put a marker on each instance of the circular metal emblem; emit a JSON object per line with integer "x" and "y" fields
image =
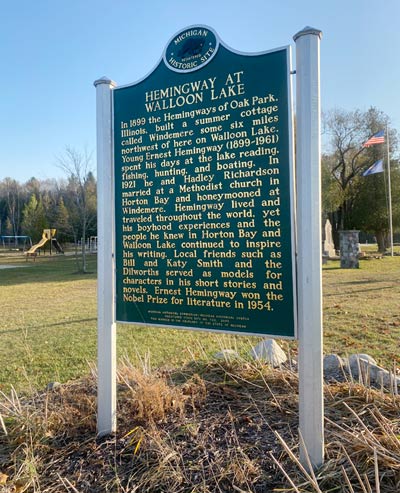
{"x": 191, "y": 49}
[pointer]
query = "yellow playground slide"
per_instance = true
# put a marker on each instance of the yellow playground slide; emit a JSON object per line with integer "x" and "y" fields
{"x": 33, "y": 248}
{"x": 47, "y": 235}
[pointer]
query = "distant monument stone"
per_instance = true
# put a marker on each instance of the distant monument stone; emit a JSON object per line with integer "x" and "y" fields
{"x": 349, "y": 249}
{"x": 328, "y": 247}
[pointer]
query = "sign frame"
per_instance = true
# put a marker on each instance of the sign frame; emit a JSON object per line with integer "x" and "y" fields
{"x": 289, "y": 168}
{"x": 309, "y": 261}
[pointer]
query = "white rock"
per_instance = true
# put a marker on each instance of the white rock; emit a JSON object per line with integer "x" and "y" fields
{"x": 270, "y": 351}
{"x": 363, "y": 361}
{"x": 371, "y": 372}
{"x": 386, "y": 379}
{"x": 333, "y": 364}
{"x": 363, "y": 356}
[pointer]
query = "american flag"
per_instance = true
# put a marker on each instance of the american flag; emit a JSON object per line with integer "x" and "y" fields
{"x": 378, "y": 138}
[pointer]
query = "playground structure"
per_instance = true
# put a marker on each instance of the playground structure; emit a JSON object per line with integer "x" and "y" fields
{"x": 16, "y": 242}
{"x": 91, "y": 244}
{"x": 48, "y": 236}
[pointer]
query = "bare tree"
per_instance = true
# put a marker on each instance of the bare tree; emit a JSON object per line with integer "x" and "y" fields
{"x": 13, "y": 195}
{"x": 80, "y": 196}
{"x": 346, "y": 159}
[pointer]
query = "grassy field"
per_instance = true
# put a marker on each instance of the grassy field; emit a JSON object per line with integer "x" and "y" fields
{"x": 202, "y": 427}
{"x": 48, "y": 326}
{"x": 361, "y": 309}
{"x": 48, "y": 321}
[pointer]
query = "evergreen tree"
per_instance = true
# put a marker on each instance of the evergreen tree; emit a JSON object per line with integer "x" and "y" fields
{"x": 34, "y": 218}
{"x": 371, "y": 207}
{"x": 62, "y": 222}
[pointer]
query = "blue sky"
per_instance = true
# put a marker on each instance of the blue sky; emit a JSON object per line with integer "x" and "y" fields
{"x": 51, "y": 52}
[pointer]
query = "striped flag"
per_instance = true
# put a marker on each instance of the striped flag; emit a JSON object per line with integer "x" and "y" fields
{"x": 375, "y": 168}
{"x": 378, "y": 138}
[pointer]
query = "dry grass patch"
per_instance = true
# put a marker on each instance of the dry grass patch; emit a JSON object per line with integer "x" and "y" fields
{"x": 216, "y": 427}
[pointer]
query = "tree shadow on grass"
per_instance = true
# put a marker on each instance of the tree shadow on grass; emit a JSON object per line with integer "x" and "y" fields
{"x": 343, "y": 293}
{"x": 56, "y": 324}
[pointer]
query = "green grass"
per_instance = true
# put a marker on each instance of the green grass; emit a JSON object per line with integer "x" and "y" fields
{"x": 49, "y": 326}
{"x": 372, "y": 248}
{"x": 361, "y": 309}
{"x": 48, "y": 321}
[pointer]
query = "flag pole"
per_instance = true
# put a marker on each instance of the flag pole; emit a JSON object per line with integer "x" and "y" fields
{"x": 390, "y": 192}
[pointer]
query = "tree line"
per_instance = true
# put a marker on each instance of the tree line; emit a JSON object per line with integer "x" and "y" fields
{"x": 69, "y": 205}
{"x": 349, "y": 199}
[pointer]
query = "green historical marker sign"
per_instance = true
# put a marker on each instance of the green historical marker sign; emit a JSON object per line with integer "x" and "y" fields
{"x": 203, "y": 190}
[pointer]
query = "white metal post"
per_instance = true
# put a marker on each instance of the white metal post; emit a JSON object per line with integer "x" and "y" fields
{"x": 309, "y": 261}
{"x": 106, "y": 327}
{"x": 389, "y": 192}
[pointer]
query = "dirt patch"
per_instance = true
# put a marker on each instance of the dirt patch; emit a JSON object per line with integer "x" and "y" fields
{"x": 213, "y": 428}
